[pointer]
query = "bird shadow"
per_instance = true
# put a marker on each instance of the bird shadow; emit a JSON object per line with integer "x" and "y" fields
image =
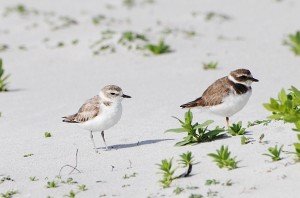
{"x": 139, "y": 143}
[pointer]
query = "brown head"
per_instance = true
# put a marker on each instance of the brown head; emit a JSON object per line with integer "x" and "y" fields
{"x": 242, "y": 76}
{"x": 112, "y": 93}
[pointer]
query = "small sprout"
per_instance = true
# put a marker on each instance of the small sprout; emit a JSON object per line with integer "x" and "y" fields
{"x": 47, "y": 134}
{"x": 131, "y": 36}
{"x": 223, "y": 158}
{"x": 82, "y": 187}
{"x": 71, "y": 194}
{"x": 52, "y": 184}
{"x": 274, "y": 153}
{"x": 9, "y": 194}
{"x": 129, "y": 176}
{"x": 210, "y": 182}
{"x": 33, "y": 178}
{"x": 237, "y": 129}
{"x": 3, "y": 47}
{"x": 212, "y": 15}
{"x": 129, "y": 3}
{"x": 258, "y": 122}
{"x": 60, "y": 44}
{"x": 228, "y": 183}
{"x": 261, "y": 137}
{"x": 3, "y": 78}
{"x": 98, "y": 19}
{"x": 178, "y": 190}
{"x": 196, "y": 196}
{"x": 167, "y": 171}
{"x": 28, "y": 155}
{"x": 69, "y": 181}
{"x": 65, "y": 22}
{"x": 75, "y": 42}
{"x": 192, "y": 187}
{"x": 211, "y": 193}
{"x": 210, "y": 65}
{"x": 125, "y": 185}
{"x": 187, "y": 161}
{"x": 293, "y": 41}
{"x": 245, "y": 140}
{"x": 160, "y": 48}
{"x": 196, "y": 133}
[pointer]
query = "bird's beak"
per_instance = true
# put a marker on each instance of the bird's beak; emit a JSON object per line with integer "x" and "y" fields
{"x": 253, "y": 79}
{"x": 126, "y": 96}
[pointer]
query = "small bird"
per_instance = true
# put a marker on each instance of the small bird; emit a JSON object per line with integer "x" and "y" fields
{"x": 100, "y": 112}
{"x": 227, "y": 95}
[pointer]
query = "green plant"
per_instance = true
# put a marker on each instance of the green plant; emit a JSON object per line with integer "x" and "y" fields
{"x": 3, "y": 78}
{"x": 82, "y": 187}
{"x": 47, "y": 134}
{"x": 196, "y": 196}
{"x": 166, "y": 167}
{"x": 33, "y": 178}
{"x": 160, "y": 48}
{"x": 71, "y": 194}
{"x": 293, "y": 41}
{"x": 98, "y": 19}
{"x": 28, "y": 155}
{"x": 167, "y": 171}
{"x": 210, "y": 66}
{"x": 52, "y": 184}
{"x": 129, "y": 176}
{"x": 9, "y": 194}
{"x": 286, "y": 107}
{"x": 210, "y": 182}
{"x": 196, "y": 133}
{"x": 237, "y": 129}
{"x": 244, "y": 140}
{"x": 223, "y": 158}
{"x": 186, "y": 161}
{"x": 274, "y": 153}
{"x": 129, "y": 3}
{"x": 178, "y": 190}
{"x": 258, "y": 122}
{"x": 130, "y": 36}
{"x": 69, "y": 181}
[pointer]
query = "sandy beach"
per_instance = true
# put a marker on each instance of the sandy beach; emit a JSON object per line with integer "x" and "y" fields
{"x": 57, "y": 60}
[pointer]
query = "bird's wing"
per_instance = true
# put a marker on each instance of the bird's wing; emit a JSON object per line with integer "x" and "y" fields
{"x": 89, "y": 110}
{"x": 213, "y": 95}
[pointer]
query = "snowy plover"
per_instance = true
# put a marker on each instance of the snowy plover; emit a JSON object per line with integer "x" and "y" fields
{"x": 226, "y": 96}
{"x": 100, "y": 112}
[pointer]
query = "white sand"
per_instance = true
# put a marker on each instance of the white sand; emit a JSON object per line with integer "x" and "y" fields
{"x": 51, "y": 82}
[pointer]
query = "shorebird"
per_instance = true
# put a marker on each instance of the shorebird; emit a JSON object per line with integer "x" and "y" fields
{"x": 227, "y": 95}
{"x": 100, "y": 112}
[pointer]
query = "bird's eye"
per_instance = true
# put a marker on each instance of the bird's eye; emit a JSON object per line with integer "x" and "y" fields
{"x": 113, "y": 94}
{"x": 243, "y": 77}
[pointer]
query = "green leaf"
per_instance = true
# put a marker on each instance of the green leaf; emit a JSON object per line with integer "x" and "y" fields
{"x": 204, "y": 124}
{"x": 177, "y": 130}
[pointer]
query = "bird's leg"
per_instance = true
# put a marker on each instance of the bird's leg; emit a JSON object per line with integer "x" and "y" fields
{"x": 92, "y": 138}
{"x": 227, "y": 121}
{"x": 102, "y": 134}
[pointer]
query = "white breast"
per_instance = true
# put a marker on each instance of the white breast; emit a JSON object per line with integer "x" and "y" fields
{"x": 109, "y": 116}
{"x": 232, "y": 104}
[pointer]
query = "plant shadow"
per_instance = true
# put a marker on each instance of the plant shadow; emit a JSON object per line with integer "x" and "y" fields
{"x": 139, "y": 143}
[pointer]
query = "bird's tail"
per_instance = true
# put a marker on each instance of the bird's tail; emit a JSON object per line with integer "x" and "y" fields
{"x": 69, "y": 119}
{"x": 192, "y": 104}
